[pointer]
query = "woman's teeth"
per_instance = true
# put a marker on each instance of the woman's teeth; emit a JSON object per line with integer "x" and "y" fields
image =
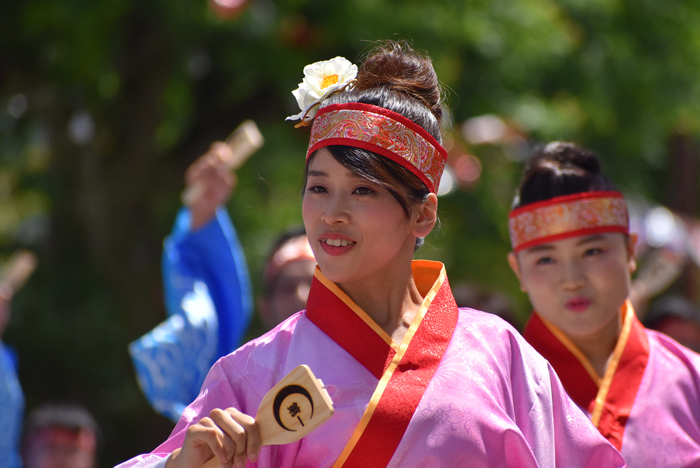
{"x": 337, "y": 242}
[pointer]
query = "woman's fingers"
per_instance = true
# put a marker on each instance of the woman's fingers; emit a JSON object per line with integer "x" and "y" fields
{"x": 228, "y": 445}
{"x": 222, "y": 151}
{"x": 242, "y": 430}
{"x": 231, "y": 436}
{"x": 215, "y": 158}
{"x": 253, "y": 442}
{"x": 207, "y": 434}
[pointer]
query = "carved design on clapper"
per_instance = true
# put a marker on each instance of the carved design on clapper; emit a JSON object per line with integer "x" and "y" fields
{"x": 297, "y": 402}
{"x": 294, "y": 407}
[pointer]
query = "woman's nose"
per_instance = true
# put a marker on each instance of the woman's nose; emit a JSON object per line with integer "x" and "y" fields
{"x": 336, "y": 210}
{"x": 573, "y": 277}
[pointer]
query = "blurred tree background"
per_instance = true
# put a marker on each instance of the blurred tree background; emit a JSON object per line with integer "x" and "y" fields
{"x": 104, "y": 103}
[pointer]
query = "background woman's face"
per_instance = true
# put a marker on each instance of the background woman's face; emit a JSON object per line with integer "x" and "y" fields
{"x": 578, "y": 284}
{"x": 289, "y": 292}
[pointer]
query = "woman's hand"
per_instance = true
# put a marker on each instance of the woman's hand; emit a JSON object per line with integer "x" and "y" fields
{"x": 216, "y": 179}
{"x": 229, "y": 435}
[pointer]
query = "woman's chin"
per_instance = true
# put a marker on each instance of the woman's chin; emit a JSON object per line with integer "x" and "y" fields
{"x": 336, "y": 273}
{"x": 334, "y": 276}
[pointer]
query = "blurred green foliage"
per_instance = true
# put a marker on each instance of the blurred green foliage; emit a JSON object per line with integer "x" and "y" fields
{"x": 104, "y": 103}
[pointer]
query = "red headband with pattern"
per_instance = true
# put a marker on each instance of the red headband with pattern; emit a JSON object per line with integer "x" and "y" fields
{"x": 383, "y": 132}
{"x": 567, "y": 216}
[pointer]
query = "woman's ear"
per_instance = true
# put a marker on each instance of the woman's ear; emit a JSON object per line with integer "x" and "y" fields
{"x": 631, "y": 255}
{"x": 515, "y": 266}
{"x": 426, "y": 216}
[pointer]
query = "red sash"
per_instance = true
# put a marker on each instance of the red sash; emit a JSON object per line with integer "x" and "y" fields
{"x": 404, "y": 370}
{"x": 609, "y": 399}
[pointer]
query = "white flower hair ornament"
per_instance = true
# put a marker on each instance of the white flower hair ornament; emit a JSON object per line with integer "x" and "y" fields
{"x": 321, "y": 79}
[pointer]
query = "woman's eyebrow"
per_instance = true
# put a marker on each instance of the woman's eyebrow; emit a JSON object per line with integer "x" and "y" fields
{"x": 592, "y": 238}
{"x": 540, "y": 248}
{"x": 317, "y": 173}
{"x": 355, "y": 175}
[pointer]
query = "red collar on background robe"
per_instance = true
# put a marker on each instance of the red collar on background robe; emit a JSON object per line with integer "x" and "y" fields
{"x": 404, "y": 369}
{"x": 609, "y": 399}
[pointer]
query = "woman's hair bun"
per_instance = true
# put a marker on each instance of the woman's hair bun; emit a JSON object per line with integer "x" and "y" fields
{"x": 569, "y": 155}
{"x": 396, "y": 66}
{"x": 560, "y": 168}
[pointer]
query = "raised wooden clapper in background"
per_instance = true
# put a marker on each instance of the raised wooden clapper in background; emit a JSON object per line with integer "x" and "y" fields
{"x": 294, "y": 407}
{"x": 245, "y": 140}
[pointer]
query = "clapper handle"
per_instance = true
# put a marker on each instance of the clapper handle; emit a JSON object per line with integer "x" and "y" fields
{"x": 245, "y": 140}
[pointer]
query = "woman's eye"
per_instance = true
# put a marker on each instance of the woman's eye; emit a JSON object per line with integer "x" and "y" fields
{"x": 545, "y": 261}
{"x": 363, "y": 191}
{"x": 317, "y": 189}
{"x": 592, "y": 252}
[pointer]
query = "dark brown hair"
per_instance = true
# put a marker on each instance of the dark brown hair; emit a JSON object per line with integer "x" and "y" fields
{"x": 395, "y": 77}
{"x": 560, "y": 168}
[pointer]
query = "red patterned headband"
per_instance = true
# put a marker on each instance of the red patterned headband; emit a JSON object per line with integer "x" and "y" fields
{"x": 383, "y": 132}
{"x": 574, "y": 215}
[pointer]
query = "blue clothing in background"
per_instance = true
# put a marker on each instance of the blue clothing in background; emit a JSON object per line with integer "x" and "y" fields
{"x": 209, "y": 303}
{"x": 11, "y": 409}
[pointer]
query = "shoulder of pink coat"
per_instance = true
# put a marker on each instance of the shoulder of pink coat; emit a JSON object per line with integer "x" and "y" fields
{"x": 278, "y": 336}
{"x": 267, "y": 349}
{"x": 501, "y": 339}
{"x": 665, "y": 347}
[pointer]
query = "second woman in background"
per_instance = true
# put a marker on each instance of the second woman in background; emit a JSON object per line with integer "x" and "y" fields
{"x": 574, "y": 254}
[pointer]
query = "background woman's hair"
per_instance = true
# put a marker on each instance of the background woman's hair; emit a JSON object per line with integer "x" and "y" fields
{"x": 560, "y": 168}
{"x": 395, "y": 77}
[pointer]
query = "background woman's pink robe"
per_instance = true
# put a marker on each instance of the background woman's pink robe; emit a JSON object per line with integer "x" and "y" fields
{"x": 664, "y": 426}
{"x": 651, "y": 408}
{"x": 493, "y": 402}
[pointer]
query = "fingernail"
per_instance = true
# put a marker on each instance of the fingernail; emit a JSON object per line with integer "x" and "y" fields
{"x": 253, "y": 458}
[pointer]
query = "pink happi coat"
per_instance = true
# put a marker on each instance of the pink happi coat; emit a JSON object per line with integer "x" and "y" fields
{"x": 463, "y": 389}
{"x": 648, "y": 402}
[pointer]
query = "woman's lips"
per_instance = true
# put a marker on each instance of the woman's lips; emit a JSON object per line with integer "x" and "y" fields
{"x": 335, "y": 244}
{"x": 578, "y": 304}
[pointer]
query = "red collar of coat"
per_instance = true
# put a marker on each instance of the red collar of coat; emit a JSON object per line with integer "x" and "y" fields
{"x": 609, "y": 399}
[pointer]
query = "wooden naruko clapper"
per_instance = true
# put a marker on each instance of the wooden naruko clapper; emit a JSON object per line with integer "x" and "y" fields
{"x": 293, "y": 408}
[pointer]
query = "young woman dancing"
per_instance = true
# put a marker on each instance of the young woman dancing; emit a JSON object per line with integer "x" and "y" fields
{"x": 415, "y": 381}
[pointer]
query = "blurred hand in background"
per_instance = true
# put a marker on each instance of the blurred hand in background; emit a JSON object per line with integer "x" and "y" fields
{"x": 210, "y": 172}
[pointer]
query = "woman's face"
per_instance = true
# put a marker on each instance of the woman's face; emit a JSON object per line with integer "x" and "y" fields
{"x": 578, "y": 284}
{"x": 356, "y": 229}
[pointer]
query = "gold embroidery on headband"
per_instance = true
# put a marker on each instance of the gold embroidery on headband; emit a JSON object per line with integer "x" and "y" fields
{"x": 374, "y": 129}
{"x": 588, "y": 213}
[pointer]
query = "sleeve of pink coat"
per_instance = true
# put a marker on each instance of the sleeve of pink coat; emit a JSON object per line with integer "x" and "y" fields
{"x": 217, "y": 392}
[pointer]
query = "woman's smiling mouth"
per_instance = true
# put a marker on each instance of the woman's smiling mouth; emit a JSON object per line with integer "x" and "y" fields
{"x": 336, "y": 244}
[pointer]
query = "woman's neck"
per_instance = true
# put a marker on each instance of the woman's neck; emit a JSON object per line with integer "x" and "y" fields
{"x": 392, "y": 301}
{"x": 599, "y": 347}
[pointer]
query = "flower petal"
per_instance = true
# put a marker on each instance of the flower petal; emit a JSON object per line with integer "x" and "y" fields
{"x": 310, "y": 93}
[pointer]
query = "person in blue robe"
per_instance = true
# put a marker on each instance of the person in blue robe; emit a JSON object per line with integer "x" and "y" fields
{"x": 207, "y": 289}
{"x": 11, "y": 396}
